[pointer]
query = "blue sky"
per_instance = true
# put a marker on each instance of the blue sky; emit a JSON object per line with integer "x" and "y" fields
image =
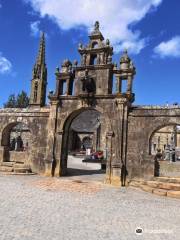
{"x": 150, "y": 29}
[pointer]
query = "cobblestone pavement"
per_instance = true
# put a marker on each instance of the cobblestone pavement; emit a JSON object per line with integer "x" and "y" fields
{"x": 36, "y": 207}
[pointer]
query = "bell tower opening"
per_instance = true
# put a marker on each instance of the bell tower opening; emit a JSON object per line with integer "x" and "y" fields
{"x": 93, "y": 59}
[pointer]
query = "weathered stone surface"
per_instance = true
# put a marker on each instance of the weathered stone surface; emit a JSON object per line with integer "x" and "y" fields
{"x": 170, "y": 186}
{"x": 125, "y": 130}
{"x": 153, "y": 184}
{"x": 146, "y": 188}
{"x": 160, "y": 192}
{"x": 174, "y": 194}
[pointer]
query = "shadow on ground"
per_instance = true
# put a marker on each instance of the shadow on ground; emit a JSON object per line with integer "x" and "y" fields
{"x": 81, "y": 172}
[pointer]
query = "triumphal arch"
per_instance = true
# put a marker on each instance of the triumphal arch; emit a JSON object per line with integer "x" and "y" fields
{"x": 91, "y": 105}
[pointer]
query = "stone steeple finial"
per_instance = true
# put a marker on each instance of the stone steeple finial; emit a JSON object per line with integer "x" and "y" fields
{"x": 125, "y": 58}
{"x": 96, "y": 26}
{"x": 96, "y": 34}
{"x": 39, "y": 81}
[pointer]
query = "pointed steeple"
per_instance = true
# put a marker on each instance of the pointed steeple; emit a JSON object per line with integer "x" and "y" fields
{"x": 39, "y": 81}
{"x": 41, "y": 55}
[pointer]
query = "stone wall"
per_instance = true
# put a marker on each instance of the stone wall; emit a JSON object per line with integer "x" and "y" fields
{"x": 36, "y": 120}
{"x": 143, "y": 123}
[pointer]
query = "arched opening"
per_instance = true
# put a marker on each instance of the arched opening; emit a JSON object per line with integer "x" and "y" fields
{"x": 81, "y": 144}
{"x": 16, "y": 140}
{"x": 95, "y": 45}
{"x": 114, "y": 87}
{"x": 164, "y": 145}
{"x": 93, "y": 59}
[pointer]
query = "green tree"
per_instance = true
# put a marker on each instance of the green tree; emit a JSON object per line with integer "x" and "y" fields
{"x": 11, "y": 102}
{"x": 21, "y": 101}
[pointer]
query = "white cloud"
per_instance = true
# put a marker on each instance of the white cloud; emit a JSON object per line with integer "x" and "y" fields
{"x": 5, "y": 65}
{"x": 35, "y": 30}
{"x": 170, "y": 48}
{"x": 115, "y": 17}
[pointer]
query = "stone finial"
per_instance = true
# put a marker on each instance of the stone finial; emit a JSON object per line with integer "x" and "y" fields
{"x": 96, "y": 26}
{"x": 125, "y": 61}
{"x": 66, "y": 66}
{"x": 107, "y": 42}
{"x": 125, "y": 58}
{"x": 57, "y": 69}
{"x": 131, "y": 65}
{"x": 115, "y": 66}
{"x": 80, "y": 46}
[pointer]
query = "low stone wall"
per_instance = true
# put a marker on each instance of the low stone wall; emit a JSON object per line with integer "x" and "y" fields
{"x": 19, "y": 156}
{"x": 169, "y": 169}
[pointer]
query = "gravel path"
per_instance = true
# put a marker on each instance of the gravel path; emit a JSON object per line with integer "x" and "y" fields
{"x": 40, "y": 208}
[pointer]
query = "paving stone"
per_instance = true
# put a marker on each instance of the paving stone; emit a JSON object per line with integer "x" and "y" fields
{"x": 36, "y": 207}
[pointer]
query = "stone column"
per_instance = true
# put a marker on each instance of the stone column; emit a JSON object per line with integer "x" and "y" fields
{"x": 118, "y": 84}
{"x": 50, "y": 156}
{"x": 109, "y": 146}
{"x": 68, "y": 87}
{"x": 129, "y": 84}
{"x": 120, "y": 140}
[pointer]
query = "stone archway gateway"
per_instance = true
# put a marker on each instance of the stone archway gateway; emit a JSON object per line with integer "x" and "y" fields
{"x": 92, "y": 92}
{"x": 86, "y": 121}
{"x": 124, "y": 131}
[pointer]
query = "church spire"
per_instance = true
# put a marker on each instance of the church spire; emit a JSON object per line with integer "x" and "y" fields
{"x": 41, "y": 54}
{"x": 39, "y": 81}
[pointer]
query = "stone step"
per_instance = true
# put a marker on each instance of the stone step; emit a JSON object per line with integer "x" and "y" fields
{"x": 160, "y": 192}
{"x": 169, "y": 189}
{"x": 19, "y": 165}
{"x": 14, "y": 167}
{"x": 6, "y": 169}
{"x": 22, "y": 170}
{"x": 167, "y": 179}
{"x": 7, "y": 164}
{"x": 174, "y": 194}
{"x": 146, "y": 188}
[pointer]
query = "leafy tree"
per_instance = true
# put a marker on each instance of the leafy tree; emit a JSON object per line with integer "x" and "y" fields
{"x": 11, "y": 102}
{"x": 21, "y": 101}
